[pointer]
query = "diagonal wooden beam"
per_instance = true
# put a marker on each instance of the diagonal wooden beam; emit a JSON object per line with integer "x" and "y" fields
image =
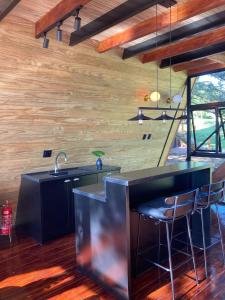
{"x": 207, "y": 23}
{"x": 111, "y": 18}
{"x": 193, "y": 64}
{"x": 63, "y": 10}
{"x": 197, "y": 42}
{"x": 206, "y": 69}
{"x": 179, "y": 12}
{"x": 7, "y": 9}
{"x": 187, "y": 57}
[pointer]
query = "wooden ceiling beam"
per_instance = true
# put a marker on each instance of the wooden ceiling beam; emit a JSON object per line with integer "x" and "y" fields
{"x": 193, "y": 64}
{"x": 167, "y": 3}
{"x": 10, "y": 5}
{"x": 179, "y": 13}
{"x": 113, "y": 17}
{"x": 206, "y": 69}
{"x": 188, "y": 30}
{"x": 63, "y": 10}
{"x": 203, "y": 40}
{"x": 187, "y": 57}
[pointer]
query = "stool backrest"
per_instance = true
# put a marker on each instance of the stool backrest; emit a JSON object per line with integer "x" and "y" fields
{"x": 211, "y": 193}
{"x": 182, "y": 204}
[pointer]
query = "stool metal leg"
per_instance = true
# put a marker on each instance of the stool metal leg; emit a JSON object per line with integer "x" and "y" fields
{"x": 192, "y": 249}
{"x": 220, "y": 232}
{"x": 138, "y": 241}
{"x": 170, "y": 259}
{"x": 159, "y": 249}
{"x": 204, "y": 245}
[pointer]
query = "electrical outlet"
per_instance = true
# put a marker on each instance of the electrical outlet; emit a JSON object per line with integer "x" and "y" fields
{"x": 47, "y": 153}
{"x": 146, "y": 136}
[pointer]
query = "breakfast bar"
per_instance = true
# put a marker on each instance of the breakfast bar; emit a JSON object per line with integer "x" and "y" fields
{"x": 112, "y": 129}
{"x": 106, "y": 223}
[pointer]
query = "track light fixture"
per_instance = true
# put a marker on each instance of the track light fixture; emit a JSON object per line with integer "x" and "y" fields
{"x": 77, "y": 23}
{"x": 45, "y": 41}
{"x": 59, "y": 32}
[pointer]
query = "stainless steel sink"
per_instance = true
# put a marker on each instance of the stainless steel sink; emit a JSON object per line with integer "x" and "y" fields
{"x": 71, "y": 172}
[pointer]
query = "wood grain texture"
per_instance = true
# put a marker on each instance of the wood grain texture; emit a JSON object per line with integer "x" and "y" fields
{"x": 181, "y": 32}
{"x": 219, "y": 173}
{"x": 31, "y": 271}
{"x": 71, "y": 99}
{"x": 60, "y": 12}
{"x": 206, "y": 68}
{"x": 113, "y": 17}
{"x": 6, "y": 6}
{"x": 179, "y": 13}
{"x": 216, "y": 49}
{"x": 194, "y": 63}
{"x": 34, "y": 10}
{"x": 196, "y": 42}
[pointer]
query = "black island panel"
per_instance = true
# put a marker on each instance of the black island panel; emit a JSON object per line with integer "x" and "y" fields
{"x": 106, "y": 223}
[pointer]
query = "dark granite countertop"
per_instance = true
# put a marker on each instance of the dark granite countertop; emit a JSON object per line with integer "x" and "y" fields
{"x": 97, "y": 191}
{"x": 94, "y": 191}
{"x": 141, "y": 176}
{"x": 70, "y": 172}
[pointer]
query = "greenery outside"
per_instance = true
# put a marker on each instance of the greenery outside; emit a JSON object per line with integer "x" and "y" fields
{"x": 208, "y": 88}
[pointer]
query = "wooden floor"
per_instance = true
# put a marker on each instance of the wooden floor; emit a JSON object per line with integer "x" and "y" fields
{"x": 30, "y": 271}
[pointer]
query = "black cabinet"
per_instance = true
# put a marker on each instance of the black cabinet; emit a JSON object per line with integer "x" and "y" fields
{"x": 46, "y": 207}
{"x": 55, "y": 209}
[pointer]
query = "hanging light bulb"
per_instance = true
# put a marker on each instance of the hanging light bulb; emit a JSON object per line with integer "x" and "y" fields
{"x": 59, "y": 32}
{"x": 177, "y": 98}
{"x": 45, "y": 41}
{"x": 155, "y": 96}
{"x": 163, "y": 116}
{"x": 140, "y": 121}
{"x": 77, "y": 23}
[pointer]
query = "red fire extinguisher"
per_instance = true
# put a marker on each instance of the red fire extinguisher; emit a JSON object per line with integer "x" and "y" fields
{"x": 6, "y": 220}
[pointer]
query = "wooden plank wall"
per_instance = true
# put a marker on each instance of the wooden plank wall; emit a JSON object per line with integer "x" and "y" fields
{"x": 71, "y": 99}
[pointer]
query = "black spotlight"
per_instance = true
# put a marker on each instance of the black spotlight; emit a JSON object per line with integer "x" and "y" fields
{"x": 46, "y": 41}
{"x": 59, "y": 32}
{"x": 77, "y": 23}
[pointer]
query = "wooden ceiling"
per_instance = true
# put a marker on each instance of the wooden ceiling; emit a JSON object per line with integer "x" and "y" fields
{"x": 6, "y": 6}
{"x": 197, "y": 27}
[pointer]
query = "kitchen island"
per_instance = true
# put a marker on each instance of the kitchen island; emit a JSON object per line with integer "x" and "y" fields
{"x": 106, "y": 223}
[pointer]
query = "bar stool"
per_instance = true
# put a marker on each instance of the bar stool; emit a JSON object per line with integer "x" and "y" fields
{"x": 167, "y": 211}
{"x": 212, "y": 194}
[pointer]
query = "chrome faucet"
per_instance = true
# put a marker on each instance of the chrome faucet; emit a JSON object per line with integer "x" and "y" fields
{"x": 57, "y": 158}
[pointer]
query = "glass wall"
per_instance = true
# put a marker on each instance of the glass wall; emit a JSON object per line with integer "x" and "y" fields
{"x": 208, "y": 124}
{"x": 206, "y": 89}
